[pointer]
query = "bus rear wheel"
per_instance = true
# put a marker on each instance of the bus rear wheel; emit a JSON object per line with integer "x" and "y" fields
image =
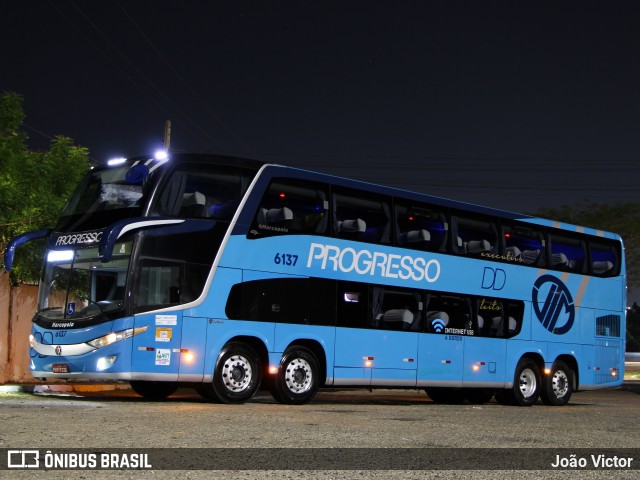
{"x": 153, "y": 390}
{"x": 558, "y": 385}
{"x": 237, "y": 374}
{"x": 298, "y": 377}
{"x": 526, "y": 386}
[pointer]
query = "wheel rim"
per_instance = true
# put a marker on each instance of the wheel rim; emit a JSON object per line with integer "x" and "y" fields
{"x": 237, "y": 373}
{"x": 560, "y": 383}
{"x": 298, "y": 376}
{"x": 528, "y": 383}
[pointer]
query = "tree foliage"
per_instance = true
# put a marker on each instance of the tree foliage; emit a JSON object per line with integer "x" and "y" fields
{"x": 621, "y": 218}
{"x": 633, "y": 329}
{"x": 34, "y": 186}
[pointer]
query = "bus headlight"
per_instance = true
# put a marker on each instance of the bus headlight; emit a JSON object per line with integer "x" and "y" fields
{"x": 114, "y": 337}
{"x": 105, "y": 362}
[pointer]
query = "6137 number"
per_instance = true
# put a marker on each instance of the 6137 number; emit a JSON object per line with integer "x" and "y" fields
{"x": 287, "y": 259}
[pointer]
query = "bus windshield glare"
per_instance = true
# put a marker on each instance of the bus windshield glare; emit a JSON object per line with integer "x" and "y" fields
{"x": 76, "y": 285}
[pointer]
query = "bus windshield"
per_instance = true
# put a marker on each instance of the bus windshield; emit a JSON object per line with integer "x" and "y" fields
{"x": 77, "y": 285}
{"x": 107, "y": 194}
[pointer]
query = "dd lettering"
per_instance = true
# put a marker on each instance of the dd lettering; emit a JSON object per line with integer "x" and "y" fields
{"x": 493, "y": 278}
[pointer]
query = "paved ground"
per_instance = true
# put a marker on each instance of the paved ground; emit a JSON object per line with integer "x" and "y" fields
{"x": 336, "y": 419}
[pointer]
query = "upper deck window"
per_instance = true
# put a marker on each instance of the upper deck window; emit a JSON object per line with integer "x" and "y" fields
{"x": 357, "y": 216}
{"x": 524, "y": 245}
{"x": 197, "y": 191}
{"x": 292, "y": 206}
{"x": 474, "y": 236}
{"x": 567, "y": 253}
{"x": 605, "y": 258}
{"x": 104, "y": 196}
{"x": 420, "y": 227}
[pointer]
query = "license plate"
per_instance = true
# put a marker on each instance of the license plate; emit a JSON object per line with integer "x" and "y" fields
{"x": 60, "y": 368}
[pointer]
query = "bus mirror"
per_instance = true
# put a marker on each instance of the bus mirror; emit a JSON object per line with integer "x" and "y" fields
{"x": 10, "y": 251}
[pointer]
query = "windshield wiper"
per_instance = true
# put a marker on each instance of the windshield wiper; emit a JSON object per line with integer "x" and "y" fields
{"x": 92, "y": 302}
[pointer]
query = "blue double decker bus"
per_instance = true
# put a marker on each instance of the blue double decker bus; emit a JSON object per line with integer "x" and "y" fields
{"x": 227, "y": 274}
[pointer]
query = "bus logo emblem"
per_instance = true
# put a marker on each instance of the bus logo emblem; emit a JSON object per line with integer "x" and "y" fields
{"x": 552, "y": 302}
{"x": 58, "y": 350}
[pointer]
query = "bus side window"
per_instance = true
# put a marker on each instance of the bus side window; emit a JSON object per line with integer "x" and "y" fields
{"x": 420, "y": 227}
{"x": 499, "y": 318}
{"x": 446, "y": 311}
{"x": 474, "y": 236}
{"x": 270, "y": 300}
{"x": 196, "y": 191}
{"x": 352, "y": 304}
{"x": 396, "y": 309}
{"x": 361, "y": 217}
{"x": 292, "y": 206}
{"x": 523, "y": 245}
{"x": 515, "y": 314}
{"x": 604, "y": 258}
{"x": 567, "y": 253}
{"x": 490, "y": 318}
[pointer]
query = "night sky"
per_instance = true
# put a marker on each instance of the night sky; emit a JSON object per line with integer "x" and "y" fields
{"x": 516, "y": 105}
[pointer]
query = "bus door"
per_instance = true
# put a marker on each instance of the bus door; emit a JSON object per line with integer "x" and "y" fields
{"x": 354, "y": 343}
{"x": 396, "y": 317}
{"x": 484, "y": 362}
{"x": 193, "y": 348}
{"x": 495, "y": 320}
{"x": 157, "y": 350}
{"x": 377, "y": 335}
{"x": 441, "y": 349}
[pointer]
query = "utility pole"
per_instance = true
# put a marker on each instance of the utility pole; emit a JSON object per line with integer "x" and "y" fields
{"x": 167, "y": 134}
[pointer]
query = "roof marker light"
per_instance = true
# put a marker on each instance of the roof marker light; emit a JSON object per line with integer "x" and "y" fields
{"x": 161, "y": 155}
{"x": 116, "y": 161}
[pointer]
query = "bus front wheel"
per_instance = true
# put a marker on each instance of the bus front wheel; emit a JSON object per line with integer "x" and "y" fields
{"x": 237, "y": 374}
{"x": 557, "y": 386}
{"x": 526, "y": 385}
{"x": 298, "y": 377}
{"x": 154, "y": 390}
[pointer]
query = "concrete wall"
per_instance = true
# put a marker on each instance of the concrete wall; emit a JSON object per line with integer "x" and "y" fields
{"x": 17, "y": 306}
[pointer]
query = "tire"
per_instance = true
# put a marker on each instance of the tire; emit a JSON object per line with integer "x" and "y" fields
{"x": 206, "y": 391}
{"x": 449, "y": 396}
{"x": 478, "y": 396}
{"x": 298, "y": 377}
{"x": 154, "y": 390}
{"x": 526, "y": 386}
{"x": 557, "y": 387}
{"x": 237, "y": 374}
